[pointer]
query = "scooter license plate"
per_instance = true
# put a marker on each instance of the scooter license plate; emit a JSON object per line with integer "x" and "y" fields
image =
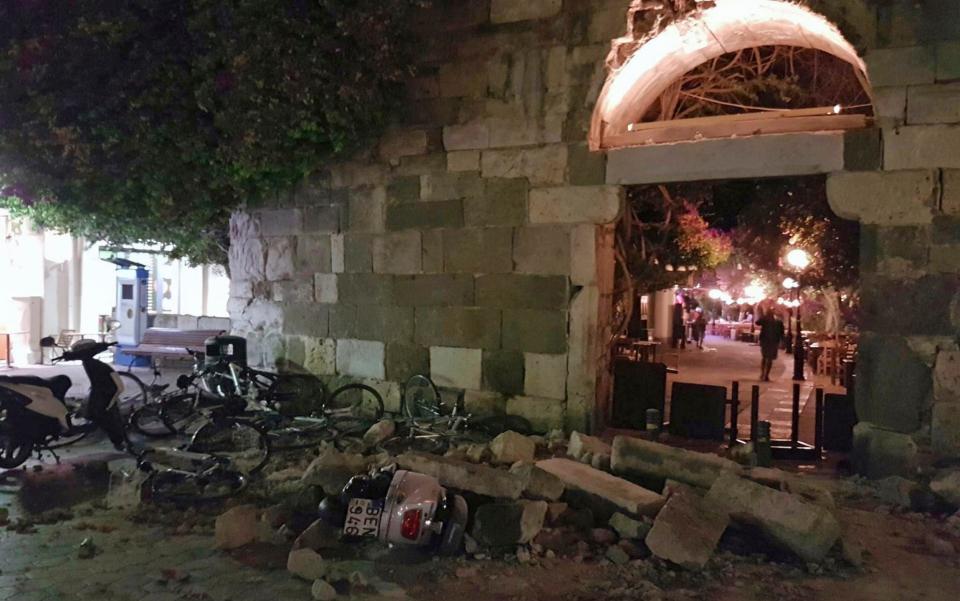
{"x": 363, "y": 517}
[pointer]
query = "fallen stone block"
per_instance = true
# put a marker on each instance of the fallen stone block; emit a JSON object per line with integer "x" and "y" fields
{"x": 628, "y": 527}
{"x": 643, "y": 458}
{"x": 686, "y": 531}
{"x": 306, "y": 564}
{"x": 946, "y": 485}
{"x": 792, "y": 483}
{"x": 806, "y": 529}
{"x": 236, "y": 527}
{"x": 331, "y": 470}
{"x": 323, "y": 591}
{"x": 505, "y": 524}
{"x": 600, "y": 462}
{"x": 673, "y": 487}
{"x": 602, "y": 492}
{"x": 510, "y": 447}
{"x": 461, "y": 475}
{"x": 582, "y": 443}
{"x": 878, "y": 453}
{"x": 898, "y": 491}
{"x": 379, "y": 432}
{"x": 539, "y": 484}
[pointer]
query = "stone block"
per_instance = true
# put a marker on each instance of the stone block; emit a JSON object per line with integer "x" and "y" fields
{"x": 403, "y": 190}
{"x": 687, "y": 530}
{"x": 306, "y": 564}
{"x": 913, "y": 305}
{"x": 894, "y": 383}
{"x": 343, "y": 321}
{"x": 945, "y": 258}
{"x": 354, "y": 175}
{"x": 503, "y": 371}
{"x": 420, "y": 165}
{"x": 399, "y": 253}
{"x": 320, "y": 356}
{"x": 458, "y": 79}
{"x": 922, "y": 147}
{"x": 305, "y": 319}
{"x": 361, "y": 358}
{"x": 244, "y": 225}
{"x": 950, "y": 203}
{"x": 945, "y": 429}
{"x": 948, "y": 60}
{"x": 450, "y": 186}
{"x": 863, "y": 150}
{"x": 463, "y": 160}
{"x": 406, "y": 360}
{"x": 338, "y": 260}
{"x": 447, "y": 290}
{"x": 503, "y": 202}
{"x": 473, "y": 250}
{"x": 629, "y": 528}
{"x": 604, "y": 493}
{"x": 238, "y": 289}
{"x": 946, "y": 377}
{"x": 357, "y": 253}
{"x": 397, "y": 143}
{"x": 902, "y": 66}
{"x": 543, "y": 166}
{"x": 365, "y": 289}
{"x": 542, "y": 250}
{"x": 540, "y": 484}
{"x": 581, "y": 444}
{"x": 292, "y": 291}
{"x": 545, "y": 376}
{"x": 544, "y": 415}
{"x": 575, "y": 204}
{"x": 425, "y": 215}
{"x": 890, "y": 103}
{"x": 280, "y": 222}
{"x": 587, "y": 168}
{"x": 879, "y": 453}
{"x": 325, "y": 287}
{"x": 634, "y": 457}
{"x": 939, "y": 103}
{"x": 470, "y": 136}
{"x": 432, "y": 241}
{"x": 806, "y": 529}
{"x": 320, "y": 220}
{"x": 247, "y": 259}
{"x": 508, "y": 524}
{"x": 471, "y": 327}
{"x": 456, "y": 367}
{"x": 946, "y": 485}
{"x": 516, "y": 291}
{"x": 510, "y": 447}
{"x": 313, "y": 255}
{"x": 510, "y": 11}
{"x": 479, "y": 479}
{"x": 389, "y": 324}
{"x": 484, "y": 402}
{"x": 236, "y": 527}
{"x": 583, "y": 255}
{"x": 885, "y": 198}
{"x": 535, "y": 331}
{"x": 367, "y": 209}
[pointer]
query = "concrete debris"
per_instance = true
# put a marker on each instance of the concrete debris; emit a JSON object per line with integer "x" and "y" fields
{"x": 792, "y": 483}
{"x": 323, "y": 591}
{"x": 672, "y": 487}
{"x": 601, "y": 462}
{"x": 507, "y": 524}
{"x": 628, "y": 527}
{"x": 237, "y": 527}
{"x": 306, "y": 564}
{"x": 581, "y": 443}
{"x": 379, "y": 432}
{"x": 554, "y": 511}
{"x": 938, "y": 545}
{"x": 510, "y": 447}
{"x": 603, "y": 536}
{"x": 318, "y": 535}
{"x": 603, "y": 493}
{"x": 461, "y": 475}
{"x": 878, "y": 453}
{"x": 898, "y": 491}
{"x": 538, "y": 484}
{"x": 806, "y": 529}
{"x": 852, "y": 552}
{"x": 686, "y": 531}
{"x": 477, "y": 453}
{"x": 642, "y": 458}
{"x": 617, "y": 555}
{"x": 946, "y": 485}
{"x": 332, "y": 469}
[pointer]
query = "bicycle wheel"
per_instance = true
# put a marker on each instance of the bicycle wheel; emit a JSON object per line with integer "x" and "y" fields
{"x": 148, "y": 421}
{"x": 179, "y": 413}
{"x": 420, "y": 398}
{"x": 245, "y": 446}
{"x": 305, "y": 436}
{"x": 354, "y": 401}
{"x": 181, "y": 487}
{"x": 297, "y": 394}
{"x": 79, "y": 428}
{"x": 134, "y": 393}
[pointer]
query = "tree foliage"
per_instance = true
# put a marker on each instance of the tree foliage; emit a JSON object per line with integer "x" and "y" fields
{"x": 151, "y": 120}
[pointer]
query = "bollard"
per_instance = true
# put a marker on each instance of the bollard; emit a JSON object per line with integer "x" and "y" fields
{"x": 795, "y": 418}
{"x": 734, "y": 413}
{"x": 653, "y": 424}
{"x": 762, "y": 445}
{"x": 818, "y": 426}
{"x": 754, "y": 411}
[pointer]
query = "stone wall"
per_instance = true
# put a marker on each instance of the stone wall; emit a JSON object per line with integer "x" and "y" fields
{"x": 464, "y": 245}
{"x": 907, "y": 196}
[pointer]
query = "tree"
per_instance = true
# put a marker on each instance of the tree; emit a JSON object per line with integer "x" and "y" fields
{"x": 151, "y": 120}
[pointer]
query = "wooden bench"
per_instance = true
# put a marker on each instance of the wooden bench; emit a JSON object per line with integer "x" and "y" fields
{"x": 168, "y": 343}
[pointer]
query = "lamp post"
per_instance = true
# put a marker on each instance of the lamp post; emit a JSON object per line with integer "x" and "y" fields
{"x": 799, "y": 260}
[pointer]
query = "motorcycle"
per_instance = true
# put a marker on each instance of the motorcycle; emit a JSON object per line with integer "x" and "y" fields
{"x": 400, "y": 508}
{"x": 34, "y": 415}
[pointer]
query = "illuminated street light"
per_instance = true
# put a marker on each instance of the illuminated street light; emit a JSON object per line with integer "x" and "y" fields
{"x": 799, "y": 259}
{"x": 790, "y": 283}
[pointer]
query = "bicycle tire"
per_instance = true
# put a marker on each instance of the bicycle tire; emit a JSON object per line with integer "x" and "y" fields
{"x": 293, "y": 438}
{"x": 66, "y": 441}
{"x": 349, "y": 401}
{"x": 148, "y": 421}
{"x": 244, "y": 445}
{"x": 297, "y": 395}
{"x": 416, "y": 400}
{"x": 177, "y": 487}
{"x": 179, "y": 412}
{"x": 134, "y": 393}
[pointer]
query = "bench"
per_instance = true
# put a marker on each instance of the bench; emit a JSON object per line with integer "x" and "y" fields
{"x": 169, "y": 343}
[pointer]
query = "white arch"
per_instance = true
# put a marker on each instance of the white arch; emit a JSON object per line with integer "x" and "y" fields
{"x": 729, "y": 26}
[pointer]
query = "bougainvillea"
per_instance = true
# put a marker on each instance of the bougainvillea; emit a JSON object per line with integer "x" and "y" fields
{"x": 151, "y": 120}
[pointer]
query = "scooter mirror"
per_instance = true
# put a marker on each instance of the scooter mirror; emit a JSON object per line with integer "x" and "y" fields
{"x": 48, "y": 341}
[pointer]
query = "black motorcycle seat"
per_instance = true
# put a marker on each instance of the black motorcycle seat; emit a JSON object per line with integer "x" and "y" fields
{"x": 58, "y": 385}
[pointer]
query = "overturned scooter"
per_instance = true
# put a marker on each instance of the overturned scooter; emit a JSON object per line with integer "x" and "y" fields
{"x": 399, "y": 507}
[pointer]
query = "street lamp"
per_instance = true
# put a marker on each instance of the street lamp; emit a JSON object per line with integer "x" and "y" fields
{"x": 798, "y": 259}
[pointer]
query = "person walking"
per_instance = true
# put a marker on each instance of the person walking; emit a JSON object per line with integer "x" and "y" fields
{"x": 699, "y": 327}
{"x": 771, "y": 335}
